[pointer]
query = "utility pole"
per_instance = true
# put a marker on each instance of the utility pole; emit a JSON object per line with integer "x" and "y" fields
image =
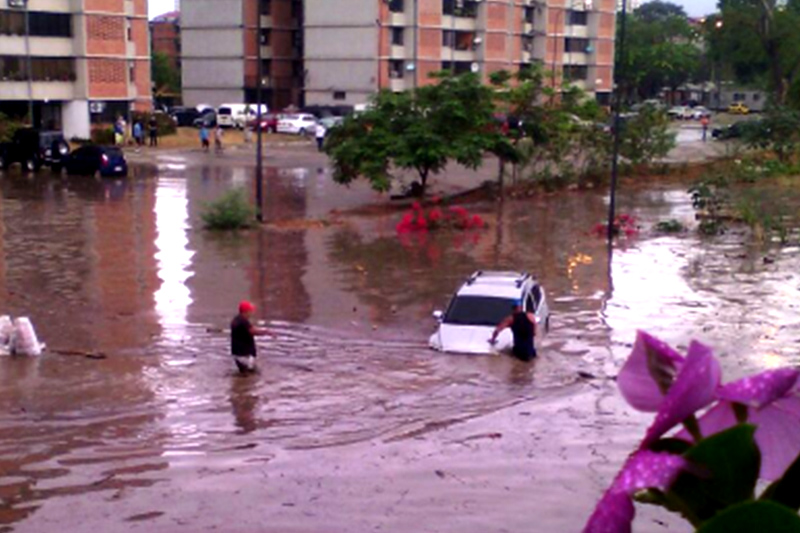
{"x": 416, "y": 42}
{"x": 259, "y": 129}
{"x": 612, "y": 204}
{"x": 28, "y": 61}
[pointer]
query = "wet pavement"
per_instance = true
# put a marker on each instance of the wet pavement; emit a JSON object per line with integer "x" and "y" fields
{"x": 353, "y": 424}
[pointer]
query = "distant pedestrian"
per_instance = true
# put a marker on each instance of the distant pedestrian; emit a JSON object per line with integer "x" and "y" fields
{"x": 119, "y": 131}
{"x": 138, "y": 133}
{"x": 204, "y": 135}
{"x": 243, "y": 342}
{"x": 704, "y": 122}
{"x": 218, "y": 134}
{"x": 152, "y": 126}
{"x": 320, "y": 135}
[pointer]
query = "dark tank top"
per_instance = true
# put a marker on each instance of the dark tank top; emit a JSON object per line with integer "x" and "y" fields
{"x": 522, "y": 328}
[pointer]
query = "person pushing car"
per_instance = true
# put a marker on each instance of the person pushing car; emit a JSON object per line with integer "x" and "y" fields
{"x": 243, "y": 343}
{"x": 523, "y": 327}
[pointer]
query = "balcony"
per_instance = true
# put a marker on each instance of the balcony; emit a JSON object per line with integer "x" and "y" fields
{"x": 397, "y": 52}
{"x": 576, "y": 58}
{"x": 42, "y": 90}
{"x": 397, "y": 85}
{"x": 266, "y": 52}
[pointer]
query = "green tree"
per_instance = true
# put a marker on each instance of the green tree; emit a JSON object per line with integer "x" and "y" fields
{"x": 761, "y": 42}
{"x": 420, "y": 130}
{"x": 661, "y": 51}
{"x": 166, "y": 78}
{"x": 646, "y": 137}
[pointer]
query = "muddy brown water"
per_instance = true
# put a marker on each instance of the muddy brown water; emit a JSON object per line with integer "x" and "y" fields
{"x": 353, "y": 424}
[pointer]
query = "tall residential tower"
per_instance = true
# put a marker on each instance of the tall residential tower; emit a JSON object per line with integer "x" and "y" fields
{"x": 81, "y": 61}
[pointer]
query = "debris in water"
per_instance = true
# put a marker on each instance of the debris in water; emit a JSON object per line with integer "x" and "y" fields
{"x": 24, "y": 340}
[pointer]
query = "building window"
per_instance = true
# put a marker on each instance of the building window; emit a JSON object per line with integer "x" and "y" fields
{"x": 604, "y": 99}
{"x": 397, "y": 36}
{"x": 266, "y": 7}
{"x": 396, "y": 69}
{"x": 132, "y": 71}
{"x": 266, "y": 67}
{"x": 129, "y": 29}
{"x": 527, "y": 43}
{"x": 756, "y": 97}
{"x": 296, "y": 5}
{"x": 529, "y": 14}
{"x": 265, "y": 36}
{"x": 41, "y": 24}
{"x": 339, "y": 95}
{"x": 575, "y": 72}
{"x": 396, "y": 6}
{"x": 572, "y": 44}
{"x": 448, "y": 38}
{"x": 577, "y": 18}
{"x": 448, "y": 7}
{"x": 14, "y": 68}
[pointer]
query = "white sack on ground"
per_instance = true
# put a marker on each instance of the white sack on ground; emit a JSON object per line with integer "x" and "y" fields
{"x": 25, "y": 340}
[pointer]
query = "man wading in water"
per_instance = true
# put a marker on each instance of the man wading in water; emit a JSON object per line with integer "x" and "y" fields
{"x": 243, "y": 342}
{"x": 523, "y": 326}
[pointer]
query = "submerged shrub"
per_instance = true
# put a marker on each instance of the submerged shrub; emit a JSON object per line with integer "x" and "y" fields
{"x": 231, "y": 211}
{"x": 670, "y": 226}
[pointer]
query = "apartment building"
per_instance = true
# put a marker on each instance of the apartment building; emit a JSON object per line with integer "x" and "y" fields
{"x": 631, "y": 5}
{"x": 220, "y": 43}
{"x": 165, "y": 37}
{"x": 353, "y": 47}
{"x": 79, "y": 62}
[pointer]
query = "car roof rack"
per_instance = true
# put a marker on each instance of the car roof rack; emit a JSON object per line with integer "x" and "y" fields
{"x": 474, "y": 276}
{"x": 522, "y": 279}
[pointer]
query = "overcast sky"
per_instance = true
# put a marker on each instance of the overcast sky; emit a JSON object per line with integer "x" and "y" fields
{"x": 695, "y": 8}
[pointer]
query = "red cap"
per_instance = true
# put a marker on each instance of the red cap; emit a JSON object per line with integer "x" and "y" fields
{"x": 246, "y": 307}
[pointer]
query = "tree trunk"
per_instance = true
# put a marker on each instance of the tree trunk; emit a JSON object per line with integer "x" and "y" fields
{"x": 501, "y": 178}
{"x": 423, "y": 180}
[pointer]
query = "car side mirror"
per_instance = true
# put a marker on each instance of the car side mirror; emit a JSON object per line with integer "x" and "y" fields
{"x": 438, "y": 315}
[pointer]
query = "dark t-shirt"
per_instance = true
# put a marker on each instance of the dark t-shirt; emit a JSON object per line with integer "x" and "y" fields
{"x": 242, "y": 341}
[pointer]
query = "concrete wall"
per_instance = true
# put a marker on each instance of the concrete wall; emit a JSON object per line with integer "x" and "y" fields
{"x": 212, "y": 51}
{"x": 75, "y": 118}
{"x": 341, "y": 52}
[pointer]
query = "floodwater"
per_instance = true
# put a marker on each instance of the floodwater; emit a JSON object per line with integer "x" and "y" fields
{"x": 352, "y": 425}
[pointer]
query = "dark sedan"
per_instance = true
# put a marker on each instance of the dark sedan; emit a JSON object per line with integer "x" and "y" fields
{"x": 92, "y": 160}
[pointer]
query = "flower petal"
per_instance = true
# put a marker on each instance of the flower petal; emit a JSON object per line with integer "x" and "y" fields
{"x": 614, "y": 514}
{"x": 648, "y": 372}
{"x": 762, "y": 389}
{"x": 694, "y": 388}
{"x": 777, "y": 436}
{"x": 717, "y": 419}
{"x": 643, "y": 470}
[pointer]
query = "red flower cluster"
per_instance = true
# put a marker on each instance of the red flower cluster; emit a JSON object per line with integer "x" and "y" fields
{"x": 456, "y": 217}
{"x": 623, "y": 225}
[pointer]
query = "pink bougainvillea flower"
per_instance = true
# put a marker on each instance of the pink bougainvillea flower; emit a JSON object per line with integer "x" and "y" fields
{"x": 772, "y": 400}
{"x": 416, "y": 206}
{"x": 643, "y": 470}
{"x": 435, "y": 215}
{"x": 436, "y": 200}
{"x": 694, "y": 388}
{"x": 421, "y": 223}
{"x": 648, "y": 373}
{"x": 476, "y": 221}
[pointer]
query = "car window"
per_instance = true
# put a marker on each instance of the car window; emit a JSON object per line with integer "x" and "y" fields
{"x": 537, "y": 294}
{"x": 224, "y": 111}
{"x": 113, "y": 152}
{"x": 478, "y": 310}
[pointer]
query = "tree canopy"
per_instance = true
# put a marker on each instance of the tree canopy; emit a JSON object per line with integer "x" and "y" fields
{"x": 661, "y": 51}
{"x": 760, "y": 41}
{"x": 420, "y": 130}
{"x": 166, "y": 78}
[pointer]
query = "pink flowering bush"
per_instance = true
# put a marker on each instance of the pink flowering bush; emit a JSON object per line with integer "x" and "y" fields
{"x": 624, "y": 225}
{"x": 417, "y": 220}
{"x": 733, "y": 435}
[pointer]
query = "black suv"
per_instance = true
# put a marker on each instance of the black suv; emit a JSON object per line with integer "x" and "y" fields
{"x": 34, "y": 149}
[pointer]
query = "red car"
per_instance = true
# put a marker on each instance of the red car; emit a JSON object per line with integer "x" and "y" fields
{"x": 269, "y": 123}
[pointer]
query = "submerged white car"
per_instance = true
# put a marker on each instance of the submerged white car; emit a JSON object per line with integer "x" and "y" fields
{"x": 481, "y": 303}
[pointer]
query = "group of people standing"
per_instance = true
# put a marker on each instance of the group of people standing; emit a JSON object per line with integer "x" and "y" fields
{"x": 137, "y": 132}
{"x": 219, "y": 135}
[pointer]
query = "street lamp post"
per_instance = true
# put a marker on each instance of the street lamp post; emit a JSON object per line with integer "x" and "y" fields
{"x": 259, "y": 129}
{"x": 612, "y": 204}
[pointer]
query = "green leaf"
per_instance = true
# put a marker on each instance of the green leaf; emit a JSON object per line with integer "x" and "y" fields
{"x": 753, "y": 517}
{"x": 786, "y": 490}
{"x": 727, "y": 466}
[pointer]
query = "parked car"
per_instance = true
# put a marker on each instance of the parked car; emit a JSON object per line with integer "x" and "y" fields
{"x": 738, "y": 108}
{"x": 207, "y": 119}
{"x": 34, "y": 149}
{"x": 92, "y": 159}
{"x": 680, "y": 112}
{"x": 482, "y": 302}
{"x": 330, "y": 122}
{"x": 734, "y": 131}
{"x": 700, "y": 112}
{"x": 238, "y": 115}
{"x": 297, "y": 124}
{"x": 184, "y": 116}
{"x": 269, "y": 123}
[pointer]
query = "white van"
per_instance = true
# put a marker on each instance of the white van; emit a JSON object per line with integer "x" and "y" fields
{"x": 238, "y": 115}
